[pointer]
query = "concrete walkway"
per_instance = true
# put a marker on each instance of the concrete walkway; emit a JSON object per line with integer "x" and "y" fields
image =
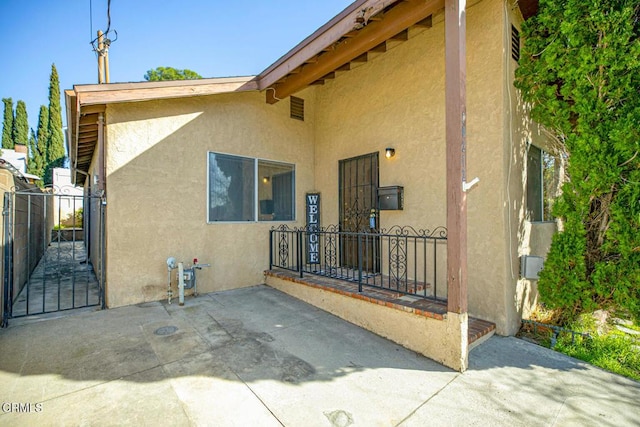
{"x": 257, "y": 357}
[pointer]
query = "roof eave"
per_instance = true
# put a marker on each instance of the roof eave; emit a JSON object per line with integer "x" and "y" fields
{"x": 324, "y": 36}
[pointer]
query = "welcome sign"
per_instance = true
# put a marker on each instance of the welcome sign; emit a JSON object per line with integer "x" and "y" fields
{"x": 313, "y": 226}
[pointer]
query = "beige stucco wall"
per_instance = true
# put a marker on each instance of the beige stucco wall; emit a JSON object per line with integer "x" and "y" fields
{"x": 157, "y": 188}
{"x": 397, "y": 100}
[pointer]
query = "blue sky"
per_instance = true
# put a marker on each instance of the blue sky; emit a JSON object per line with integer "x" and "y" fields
{"x": 214, "y": 38}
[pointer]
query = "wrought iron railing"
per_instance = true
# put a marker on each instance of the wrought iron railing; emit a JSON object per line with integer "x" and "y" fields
{"x": 400, "y": 259}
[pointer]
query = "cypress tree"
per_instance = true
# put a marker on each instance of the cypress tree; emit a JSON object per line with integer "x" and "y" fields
{"x": 55, "y": 142}
{"x": 31, "y": 164}
{"x": 35, "y": 164}
{"x": 7, "y": 124}
{"x": 42, "y": 137}
{"x": 21, "y": 125}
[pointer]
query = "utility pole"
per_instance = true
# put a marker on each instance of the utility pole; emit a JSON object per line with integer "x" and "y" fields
{"x": 100, "y": 57}
{"x": 103, "y": 58}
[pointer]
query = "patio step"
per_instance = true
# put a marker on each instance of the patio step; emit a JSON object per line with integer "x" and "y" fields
{"x": 478, "y": 330}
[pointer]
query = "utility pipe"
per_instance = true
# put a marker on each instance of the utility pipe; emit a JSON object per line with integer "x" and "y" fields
{"x": 180, "y": 283}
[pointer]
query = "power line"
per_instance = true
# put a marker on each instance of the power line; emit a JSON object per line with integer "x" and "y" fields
{"x": 108, "y": 30}
{"x": 91, "y": 21}
{"x": 108, "y": 17}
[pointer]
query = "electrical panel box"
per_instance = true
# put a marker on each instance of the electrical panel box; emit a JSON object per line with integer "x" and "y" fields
{"x": 530, "y": 266}
{"x": 391, "y": 198}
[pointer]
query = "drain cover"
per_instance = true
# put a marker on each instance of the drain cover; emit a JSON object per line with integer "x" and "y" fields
{"x": 166, "y": 330}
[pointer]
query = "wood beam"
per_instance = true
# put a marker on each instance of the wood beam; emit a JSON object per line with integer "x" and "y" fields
{"x": 400, "y": 17}
{"x": 328, "y": 34}
{"x": 456, "y": 129}
{"x": 141, "y": 92}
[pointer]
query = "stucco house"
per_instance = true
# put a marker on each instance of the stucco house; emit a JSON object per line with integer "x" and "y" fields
{"x": 206, "y": 168}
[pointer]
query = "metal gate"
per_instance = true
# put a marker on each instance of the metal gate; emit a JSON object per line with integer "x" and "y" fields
{"x": 358, "y": 198}
{"x": 53, "y": 252}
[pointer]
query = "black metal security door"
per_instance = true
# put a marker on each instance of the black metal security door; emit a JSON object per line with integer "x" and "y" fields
{"x": 358, "y": 188}
{"x": 48, "y": 264}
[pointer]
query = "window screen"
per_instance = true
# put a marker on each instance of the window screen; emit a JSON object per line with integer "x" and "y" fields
{"x": 231, "y": 188}
{"x": 275, "y": 191}
{"x": 542, "y": 181}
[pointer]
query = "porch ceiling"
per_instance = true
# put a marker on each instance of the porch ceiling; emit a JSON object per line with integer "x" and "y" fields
{"x": 365, "y": 28}
{"x": 352, "y": 37}
{"x": 82, "y": 134}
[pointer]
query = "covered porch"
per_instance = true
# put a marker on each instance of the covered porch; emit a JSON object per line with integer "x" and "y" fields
{"x": 375, "y": 262}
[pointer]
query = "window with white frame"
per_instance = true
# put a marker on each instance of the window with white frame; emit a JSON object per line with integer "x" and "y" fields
{"x": 542, "y": 184}
{"x": 248, "y": 189}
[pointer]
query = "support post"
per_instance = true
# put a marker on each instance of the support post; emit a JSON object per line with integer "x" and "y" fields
{"x": 455, "y": 103}
{"x": 299, "y": 253}
{"x": 101, "y": 155}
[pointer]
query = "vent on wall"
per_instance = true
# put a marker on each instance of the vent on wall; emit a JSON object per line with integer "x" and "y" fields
{"x": 515, "y": 43}
{"x": 297, "y": 108}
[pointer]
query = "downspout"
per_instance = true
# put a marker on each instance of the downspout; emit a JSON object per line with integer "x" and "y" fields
{"x": 74, "y": 168}
{"x": 103, "y": 207}
{"x": 101, "y": 151}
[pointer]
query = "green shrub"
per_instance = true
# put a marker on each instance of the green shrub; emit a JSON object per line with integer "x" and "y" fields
{"x": 580, "y": 72}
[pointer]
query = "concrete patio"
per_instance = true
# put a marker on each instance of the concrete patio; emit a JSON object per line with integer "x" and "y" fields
{"x": 258, "y": 357}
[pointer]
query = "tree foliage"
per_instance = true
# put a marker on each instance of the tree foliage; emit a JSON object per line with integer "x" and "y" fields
{"x": 169, "y": 73}
{"x": 42, "y": 135}
{"x": 55, "y": 153}
{"x": 580, "y": 72}
{"x": 7, "y": 124}
{"x": 20, "y": 132}
{"x": 35, "y": 165}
